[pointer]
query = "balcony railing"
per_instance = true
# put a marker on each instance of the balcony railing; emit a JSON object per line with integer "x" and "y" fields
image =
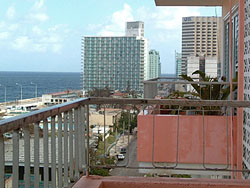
{"x": 56, "y": 140}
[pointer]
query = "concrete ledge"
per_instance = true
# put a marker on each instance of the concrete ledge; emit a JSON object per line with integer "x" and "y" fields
{"x": 138, "y": 182}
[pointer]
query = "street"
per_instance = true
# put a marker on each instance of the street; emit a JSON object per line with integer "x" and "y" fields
{"x": 130, "y": 159}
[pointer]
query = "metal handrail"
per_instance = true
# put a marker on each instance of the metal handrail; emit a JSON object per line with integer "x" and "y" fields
{"x": 76, "y": 113}
{"x": 20, "y": 121}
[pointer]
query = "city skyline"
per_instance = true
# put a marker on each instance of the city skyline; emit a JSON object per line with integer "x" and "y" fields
{"x": 40, "y": 35}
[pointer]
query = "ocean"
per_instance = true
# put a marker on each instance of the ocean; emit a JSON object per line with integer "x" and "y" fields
{"x": 47, "y": 82}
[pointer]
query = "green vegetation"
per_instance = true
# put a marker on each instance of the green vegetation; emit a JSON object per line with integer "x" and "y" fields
{"x": 104, "y": 92}
{"x": 109, "y": 140}
{"x": 203, "y": 92}
{"x": 125, "y": 118}
{"x": 181, "y": 176}
{"x": 97, "y": 158}
{"x": 210, "y": 92}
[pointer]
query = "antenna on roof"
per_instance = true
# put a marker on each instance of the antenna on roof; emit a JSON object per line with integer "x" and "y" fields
{"x": 216, "y": 12}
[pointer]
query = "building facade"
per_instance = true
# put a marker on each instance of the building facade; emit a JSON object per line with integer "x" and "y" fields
{"x": 154, "y": 69}
{"x": 114, "y": 62}
{"x": 200, "y": 38}
{"x": 207, "y": 65}
{"x": 178, "y": 63}
{"x": 135, "y": 29}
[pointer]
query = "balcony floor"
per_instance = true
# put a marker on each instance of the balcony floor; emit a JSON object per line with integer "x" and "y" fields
{"x": 138, "y": 182}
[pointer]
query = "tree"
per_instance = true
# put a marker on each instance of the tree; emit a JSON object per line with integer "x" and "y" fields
{"x": 210, "y": 91}
{"x": 103, "y": 92}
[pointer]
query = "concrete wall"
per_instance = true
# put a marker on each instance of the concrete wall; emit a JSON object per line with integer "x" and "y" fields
{"x": 190, "y": 139}
{"x": 211, "y": 66}
{"x": 98, "y": 119}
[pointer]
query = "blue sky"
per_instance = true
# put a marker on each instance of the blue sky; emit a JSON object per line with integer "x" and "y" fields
{"x": 45, "y": 35}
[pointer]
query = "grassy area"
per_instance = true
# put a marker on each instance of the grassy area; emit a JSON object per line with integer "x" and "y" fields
{"x": 109, "y": 140}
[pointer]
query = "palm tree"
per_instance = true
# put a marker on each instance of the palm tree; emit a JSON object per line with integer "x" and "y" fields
{"x": 210, "y": 91}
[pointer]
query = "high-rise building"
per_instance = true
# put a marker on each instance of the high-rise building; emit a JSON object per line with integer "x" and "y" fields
{"x": 200, "y": 38}
{"x": 178, "y": 63}
{"x": 135, "y": 29}
{"x": 119, "y": 63}
{"x": 154, "y": 69}
{"x": 207, "y": 65}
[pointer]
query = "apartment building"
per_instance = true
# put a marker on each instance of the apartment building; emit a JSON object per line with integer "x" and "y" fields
{"x": 200, "y": 38}
{"x": 119, "y": 63}
{"x": 207, "y": 65}
{"x": 154, "y": 69}
{"x": 135, "y": 29}
{"x": 178, "y": 63}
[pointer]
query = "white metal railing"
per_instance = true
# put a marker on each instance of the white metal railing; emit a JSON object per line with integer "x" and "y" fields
{"x": 64, "y": 152}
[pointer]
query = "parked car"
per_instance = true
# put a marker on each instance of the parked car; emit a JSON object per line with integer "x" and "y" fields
{"x": 7, "y": 135}
{"x": 123, "y": 150}
{"x": 120, "y": 157}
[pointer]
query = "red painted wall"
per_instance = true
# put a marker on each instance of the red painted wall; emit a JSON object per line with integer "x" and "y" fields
{"x": 190, "y": 139}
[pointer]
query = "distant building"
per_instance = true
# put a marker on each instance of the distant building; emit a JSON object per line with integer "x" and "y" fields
{"x": 60, "y": 97}
{"x": 178, "y": 63}
{"x": 135, "y": 29}
{"x": 207, "y": 65}
{"x": 119, "y": 63}
{"x": 154, "y": 69}
{"x": 200, "y": 38}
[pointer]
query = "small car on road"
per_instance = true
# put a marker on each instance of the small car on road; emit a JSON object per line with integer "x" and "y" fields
{"x": 123, "y": 150}
{"x": 120, "y": 157}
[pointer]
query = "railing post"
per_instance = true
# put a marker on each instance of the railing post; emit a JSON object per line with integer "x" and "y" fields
{"x": 15, "y": 168}
{"x": 76, "y": 143}
{"x": 88, "y": 160}
{"x": 80, "y": 115}
{"x": 53, "y": 152}
{"x": 65, "y": 134}
{"x": 26, "y": 156}
{"x": 83, "y": 138}
{"x": 2, "y": 162}
{"x": 36, "y": 156}
{"x": 45, "y": 153}
{"x": 59, "y": 177}
{"x": 71, "y": 147}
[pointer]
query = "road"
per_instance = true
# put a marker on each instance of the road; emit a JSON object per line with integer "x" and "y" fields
{"x": 130, "y": 159}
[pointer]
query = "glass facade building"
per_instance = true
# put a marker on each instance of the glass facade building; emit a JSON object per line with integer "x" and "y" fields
{"x": 114, "y": 62}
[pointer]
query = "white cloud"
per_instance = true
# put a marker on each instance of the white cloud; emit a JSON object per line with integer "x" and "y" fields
{"x": 116, "y": 27}
{"x": 21, "y": 43}
{"x": 13, "y": 27}
{"x": 42, "y": 17}
{"x": 167, "y": 18}
{"x": 171, "y": 18}
{"x": 10, "y": 14}
{"x": 56, "y": 48}
{"x": 42, "y": 40}
{"x": 38, "y": 12}
{"x": 2, "y": 24}
{"x": 38, "y": 6}
{"x": 4, "y": 35}
{"x": 36, "y": 30}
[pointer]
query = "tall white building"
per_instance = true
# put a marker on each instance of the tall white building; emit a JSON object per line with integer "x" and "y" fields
{"x": 154, "y": 69}
{"x": 136, "y": 29}
{"x": 200, "y": 38}
{"x": 119, "y": 63}
{"x": 207, "y": 65}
